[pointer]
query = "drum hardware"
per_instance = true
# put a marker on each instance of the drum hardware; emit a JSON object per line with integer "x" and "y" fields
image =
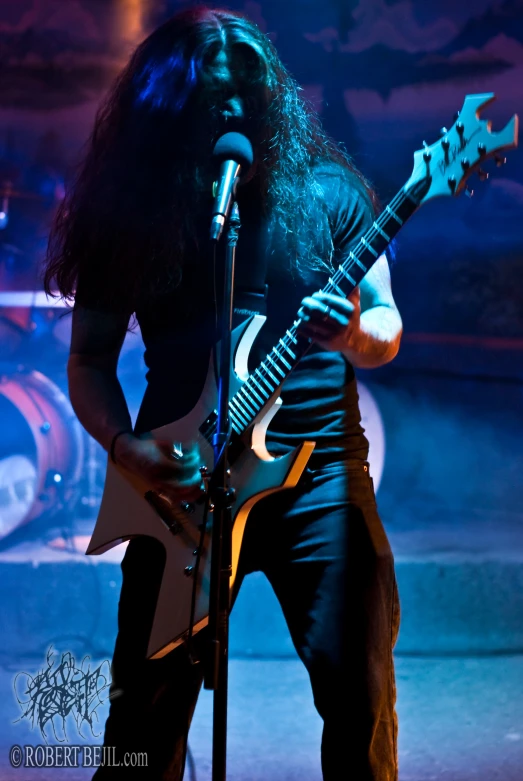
{"x": 94, "y": 475}
{"x": 32, "y": 329}
{"x": 6, "y": 193}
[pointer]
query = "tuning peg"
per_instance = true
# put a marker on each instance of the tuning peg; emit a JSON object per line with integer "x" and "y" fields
{"x": 499, "y": 160}
{"x": 456, "y": 115}
{"x": 445, "y": 143}
{"x": 482, "y": 175}
{"x": 460, "y": 127}
{"x": 468, "y": 192}
{"x": 443, "y": 131}
{"x": 482, "y": 149}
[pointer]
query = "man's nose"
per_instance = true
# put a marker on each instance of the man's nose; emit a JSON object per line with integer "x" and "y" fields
{"x": 234, "y": 107}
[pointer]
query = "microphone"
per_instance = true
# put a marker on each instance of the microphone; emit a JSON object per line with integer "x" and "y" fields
{"x": 234, "y": 153}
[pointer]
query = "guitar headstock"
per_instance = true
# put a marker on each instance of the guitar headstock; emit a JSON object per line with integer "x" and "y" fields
{"x": 461, "y": 150}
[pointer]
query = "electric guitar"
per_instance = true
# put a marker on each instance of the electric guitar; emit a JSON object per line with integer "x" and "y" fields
{"x": 129, "y": 508}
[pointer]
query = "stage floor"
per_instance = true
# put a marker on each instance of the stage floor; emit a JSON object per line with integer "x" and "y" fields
{"x": 461, "y": 719}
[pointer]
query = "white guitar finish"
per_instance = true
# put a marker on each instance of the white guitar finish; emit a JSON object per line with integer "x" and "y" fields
{"x": 242, "y": 372}
{"x": 124, "y": 513}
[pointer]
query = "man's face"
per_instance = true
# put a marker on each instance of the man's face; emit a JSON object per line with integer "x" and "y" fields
{"x": 231, "y": 98}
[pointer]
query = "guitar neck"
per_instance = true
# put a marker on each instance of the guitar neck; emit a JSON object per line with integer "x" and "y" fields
{"x": 266, "y": 380}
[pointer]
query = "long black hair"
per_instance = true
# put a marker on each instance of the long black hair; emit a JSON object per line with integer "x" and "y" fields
{"x": 131, "y": 212}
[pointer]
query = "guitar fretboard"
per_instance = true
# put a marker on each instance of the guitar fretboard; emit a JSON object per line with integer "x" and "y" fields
{"x": 266, "y": 380}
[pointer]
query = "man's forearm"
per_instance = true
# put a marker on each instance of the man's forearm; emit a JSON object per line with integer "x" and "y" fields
{"x": 376, "y": 341}
{"x": 98, "y": 401}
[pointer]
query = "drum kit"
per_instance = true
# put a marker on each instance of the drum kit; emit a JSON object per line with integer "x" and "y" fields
{"x": 51, "y": 470}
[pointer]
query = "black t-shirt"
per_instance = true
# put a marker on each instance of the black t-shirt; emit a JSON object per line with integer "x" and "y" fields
{"x": 320, "y": 400}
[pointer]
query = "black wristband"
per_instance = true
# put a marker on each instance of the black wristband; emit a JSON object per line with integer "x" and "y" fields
{"x": 113, "y": 442}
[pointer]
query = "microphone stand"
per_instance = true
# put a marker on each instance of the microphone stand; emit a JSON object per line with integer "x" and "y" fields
{"x": 222, "y": 495}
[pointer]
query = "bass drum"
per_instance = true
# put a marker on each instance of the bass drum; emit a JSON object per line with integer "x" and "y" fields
{"x": 41, "y": 449}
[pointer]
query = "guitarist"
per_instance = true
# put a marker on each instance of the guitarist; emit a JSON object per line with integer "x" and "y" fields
{"x": 130, "y": 239}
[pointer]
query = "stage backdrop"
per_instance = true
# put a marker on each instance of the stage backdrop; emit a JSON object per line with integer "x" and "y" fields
{"x": 385, "y": 76}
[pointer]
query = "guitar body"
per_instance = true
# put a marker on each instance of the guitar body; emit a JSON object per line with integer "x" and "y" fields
{"x": 125, "y": 513}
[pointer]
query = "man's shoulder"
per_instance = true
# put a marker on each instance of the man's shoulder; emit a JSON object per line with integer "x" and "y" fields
{"x": 331, "y": 174}
{"x": 343, "y": 191}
